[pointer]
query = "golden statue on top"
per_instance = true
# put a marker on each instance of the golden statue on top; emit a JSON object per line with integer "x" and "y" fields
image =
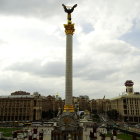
{"x": 69, "y": 11}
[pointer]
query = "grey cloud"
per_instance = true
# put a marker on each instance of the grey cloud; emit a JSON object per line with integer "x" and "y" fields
{"x": 100, "y": 74}
{"x": 84, "y": 69}
{"x": 16, "y": 83}
{"x": 41, "y": 8}
{"x": 114, "y": 47}
{"x": 93, "y": 73}
{"x": 132, "y": 38}
{"x": 2, "y": 41}
{"x": 49, "y": 69}
{"x": 87, "y": 27}
{"x": 91, "y": 69}
{"x": 132, "y": 66}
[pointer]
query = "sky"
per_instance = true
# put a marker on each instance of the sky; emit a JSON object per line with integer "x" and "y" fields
{"x": 106, "y": 46}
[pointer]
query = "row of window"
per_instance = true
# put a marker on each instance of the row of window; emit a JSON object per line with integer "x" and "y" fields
{"x": 131, "y": 112}
{"x": 14, "y": 109}
{"x": 12, "y": 118}
{"x": 13, "y": 113}
{"x": 131, "y": 106}
{"x": 131, "y": 101}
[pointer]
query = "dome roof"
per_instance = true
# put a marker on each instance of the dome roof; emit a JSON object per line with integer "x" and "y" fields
{"x": 129, "y": 83}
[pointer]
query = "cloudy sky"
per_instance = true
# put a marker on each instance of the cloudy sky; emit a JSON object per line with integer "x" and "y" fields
{"x": 106, "y": 46}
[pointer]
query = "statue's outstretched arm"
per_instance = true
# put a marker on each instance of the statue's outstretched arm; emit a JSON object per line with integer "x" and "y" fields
{"x": 73, "y": 8}
{"x": 65, "y": 9}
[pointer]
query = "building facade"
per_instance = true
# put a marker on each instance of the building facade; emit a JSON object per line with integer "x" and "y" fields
{"x": 128, "y": 104}
{"x": 20, "y": 106}
{"x": 51, "y": 105}
{"x": 84, "y": 103}
{"x": 103, "y": 105}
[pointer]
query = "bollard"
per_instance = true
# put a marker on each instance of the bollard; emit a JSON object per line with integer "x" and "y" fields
{"x": 95, "y": 132}
{"x": 111, "y": 137}
{"x": 14, "y": 135}
{"x": 102, "y": 136}
{"x": 30, "y": 135}
{"x": 41, "y": 135}
{"x": 134, "y": 137}
{"x": 35, "y": 134}
{"x": 114, "y": 135}
{"x": 1, "y": 135}
{"x": 91, "y": 135}
{"x": 25, "y": 134}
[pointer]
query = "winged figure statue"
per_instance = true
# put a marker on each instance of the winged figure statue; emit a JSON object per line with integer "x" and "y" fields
{"x": 69, "y": 10}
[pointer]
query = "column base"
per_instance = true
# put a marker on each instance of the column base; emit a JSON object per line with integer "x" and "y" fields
{"x": 68, "y": 108}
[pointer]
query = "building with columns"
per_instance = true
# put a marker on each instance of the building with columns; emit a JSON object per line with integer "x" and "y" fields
{"x": 20, "y": 106}
{"x": 128, "y": 104}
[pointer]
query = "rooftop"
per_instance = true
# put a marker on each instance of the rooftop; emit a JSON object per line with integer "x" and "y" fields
{"x": 134, "y": 95}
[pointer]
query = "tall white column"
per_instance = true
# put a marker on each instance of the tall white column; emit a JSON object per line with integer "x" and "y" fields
{"x": 69, "y": 29}
{"x": 68, "y": 90}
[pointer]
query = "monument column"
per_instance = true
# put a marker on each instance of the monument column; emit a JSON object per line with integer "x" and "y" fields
{"x": 68, "y": 122}
{"x": 69, "y": 82}
{"x": 69, "y": 30}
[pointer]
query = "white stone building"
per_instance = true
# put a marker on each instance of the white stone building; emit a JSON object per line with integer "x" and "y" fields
{"x": 128, "y": 104}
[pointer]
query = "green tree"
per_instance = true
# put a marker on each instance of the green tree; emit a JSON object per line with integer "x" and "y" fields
{"x": 49, "y": 114}
{"x": 113, "y": 114}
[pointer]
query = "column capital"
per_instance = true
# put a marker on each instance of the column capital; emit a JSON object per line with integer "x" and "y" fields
{"x": 69, "y": 29}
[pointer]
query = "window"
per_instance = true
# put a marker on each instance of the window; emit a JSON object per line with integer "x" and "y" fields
{"x": 124, "y": 101}
{"x": 124, "y": 106}
{"x": 125, "y": 111}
